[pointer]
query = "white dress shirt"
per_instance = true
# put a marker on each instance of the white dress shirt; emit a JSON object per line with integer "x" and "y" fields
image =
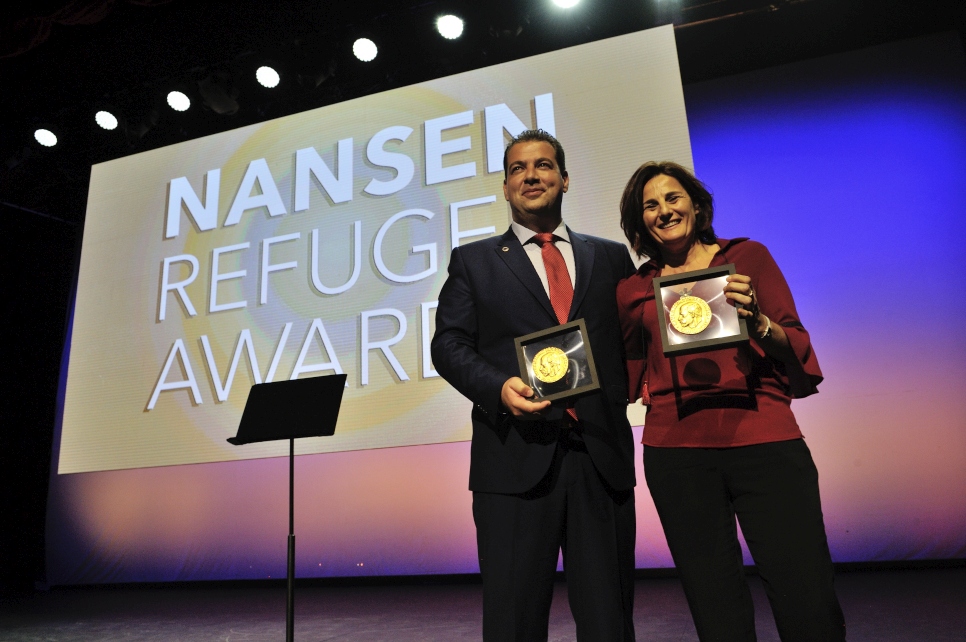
{"x": 535, "y": 254}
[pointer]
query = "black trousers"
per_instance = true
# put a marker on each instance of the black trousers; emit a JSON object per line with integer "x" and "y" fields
{"x": 519, "y": 538}
{"x": 773, "y": 490}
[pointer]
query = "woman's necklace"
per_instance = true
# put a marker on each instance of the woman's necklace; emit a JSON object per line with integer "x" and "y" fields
{"x": 699, "y": 261}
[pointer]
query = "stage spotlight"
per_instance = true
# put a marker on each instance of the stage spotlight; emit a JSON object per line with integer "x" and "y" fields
{"x": 566, "y": 4}
{"x": 45, "y": 137}
{"x": 178, "y": 101}
{"x": 135, "y": 128}
{"x": 267, "y": 77}
{"x": 364, "y": 49}
{"x": 450, "y": 27}
{"x": 105, "y": 119}
{"x": 315, "y": 73}
{"x": 219, "y": 93}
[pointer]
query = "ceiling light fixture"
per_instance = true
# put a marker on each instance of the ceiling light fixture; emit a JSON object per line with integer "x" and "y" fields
{"x": 105, "y": 119}
{"x": 449, "y": 26}
{"x": 267, "y": 77}
{"x": 218, "y": 92}
{"x": 566, "y": 4}
{"x": 45, "y": 137}
{"x": 364, "y": 49}
{"x": 178, "y": 101}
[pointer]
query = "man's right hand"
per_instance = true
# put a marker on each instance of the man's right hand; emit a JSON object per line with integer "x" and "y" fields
{"x": 516, "y": 398}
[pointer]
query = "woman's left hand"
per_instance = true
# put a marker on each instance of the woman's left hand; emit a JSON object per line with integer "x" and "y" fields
{"x": 739, "y": 291}
{"x": 769, "y": 336}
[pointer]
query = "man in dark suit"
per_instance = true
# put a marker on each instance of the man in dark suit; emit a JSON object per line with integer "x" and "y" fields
{"x": 544, "y": 476}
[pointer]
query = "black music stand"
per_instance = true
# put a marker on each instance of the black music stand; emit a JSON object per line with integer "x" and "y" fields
{"x": 291, "y": 410}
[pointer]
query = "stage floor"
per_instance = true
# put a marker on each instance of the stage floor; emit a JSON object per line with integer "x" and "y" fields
{"x": 908, "y": 605}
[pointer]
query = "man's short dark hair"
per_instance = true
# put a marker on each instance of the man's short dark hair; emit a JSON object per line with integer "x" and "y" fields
{"x": 529, "y": 135}
{"x": 632, "y": 205}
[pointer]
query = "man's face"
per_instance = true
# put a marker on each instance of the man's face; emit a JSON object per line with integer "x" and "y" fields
{"x": 534, "y": 184}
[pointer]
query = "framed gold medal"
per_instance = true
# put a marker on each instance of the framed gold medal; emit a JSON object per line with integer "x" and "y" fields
{"x": 693, "y": 312}
{"x": 558, "y": 362}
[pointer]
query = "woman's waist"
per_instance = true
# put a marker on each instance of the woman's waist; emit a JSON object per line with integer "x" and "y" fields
{"x": 671, "y": 389}
{"x": 723, "y": 418}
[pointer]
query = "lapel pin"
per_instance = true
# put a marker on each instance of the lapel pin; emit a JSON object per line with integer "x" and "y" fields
{"x": 505, "y": 248}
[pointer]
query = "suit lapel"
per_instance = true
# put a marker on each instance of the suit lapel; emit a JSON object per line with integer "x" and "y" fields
{"x": 584, "y": 263}
{"x": 510, "y": 251}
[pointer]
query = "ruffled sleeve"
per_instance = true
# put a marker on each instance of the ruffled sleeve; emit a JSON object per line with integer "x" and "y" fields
{"x": 775, "y": 299}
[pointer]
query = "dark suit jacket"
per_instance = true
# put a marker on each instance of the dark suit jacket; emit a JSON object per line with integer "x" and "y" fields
{"x": 493, "y": 295}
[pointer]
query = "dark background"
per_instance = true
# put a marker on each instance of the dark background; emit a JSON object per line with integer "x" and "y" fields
{"x": 60, "y": 61}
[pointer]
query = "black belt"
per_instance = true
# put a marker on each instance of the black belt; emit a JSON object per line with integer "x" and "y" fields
{"x": 570, "y": 437}
{"x": 564, "y": 424}
{"x": 565, "y": 431}
{"x": 569, "y": 443}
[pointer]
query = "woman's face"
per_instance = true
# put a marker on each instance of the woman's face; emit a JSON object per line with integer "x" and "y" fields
{"x": 669, "y": 214}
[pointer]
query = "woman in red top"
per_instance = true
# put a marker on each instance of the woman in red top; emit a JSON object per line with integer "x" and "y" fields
{"x": 720, "y": 439}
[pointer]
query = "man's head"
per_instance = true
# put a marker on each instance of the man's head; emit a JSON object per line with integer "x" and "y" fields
{"x": 536, "y": 180}
{"x": 528, "y": 135}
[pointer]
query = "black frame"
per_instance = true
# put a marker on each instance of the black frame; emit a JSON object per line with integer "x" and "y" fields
{"x": 726, "y": 315}
{"x": 571, "y": 337}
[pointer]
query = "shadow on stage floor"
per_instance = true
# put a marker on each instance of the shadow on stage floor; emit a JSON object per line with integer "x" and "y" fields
{"x": 881, "y": 605}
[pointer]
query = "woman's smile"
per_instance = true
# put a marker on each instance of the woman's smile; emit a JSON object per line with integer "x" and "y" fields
{"x": 669, "y": 213}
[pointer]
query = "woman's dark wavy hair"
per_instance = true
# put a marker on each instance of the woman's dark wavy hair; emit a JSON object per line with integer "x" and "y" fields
{"x": 632, "y": 205}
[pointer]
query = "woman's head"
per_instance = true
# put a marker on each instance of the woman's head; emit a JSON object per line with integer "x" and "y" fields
{"x": 665, "y": 206}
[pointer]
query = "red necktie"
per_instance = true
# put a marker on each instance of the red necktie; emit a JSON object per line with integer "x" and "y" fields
{"x": 561, "y": 289}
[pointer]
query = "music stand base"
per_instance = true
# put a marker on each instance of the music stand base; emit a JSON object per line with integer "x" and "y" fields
{"x": 290, "y": 601}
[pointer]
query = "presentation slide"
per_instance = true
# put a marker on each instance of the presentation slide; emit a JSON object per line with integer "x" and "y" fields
{"x": 317, "y": 243}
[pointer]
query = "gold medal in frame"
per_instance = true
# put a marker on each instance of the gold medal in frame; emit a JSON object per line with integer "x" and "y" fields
{"x": 693, "y": 313}
{"x": 558, "y": 362}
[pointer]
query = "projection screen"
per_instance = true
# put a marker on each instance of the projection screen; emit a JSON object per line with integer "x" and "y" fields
{"x": 317, "y": 243}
